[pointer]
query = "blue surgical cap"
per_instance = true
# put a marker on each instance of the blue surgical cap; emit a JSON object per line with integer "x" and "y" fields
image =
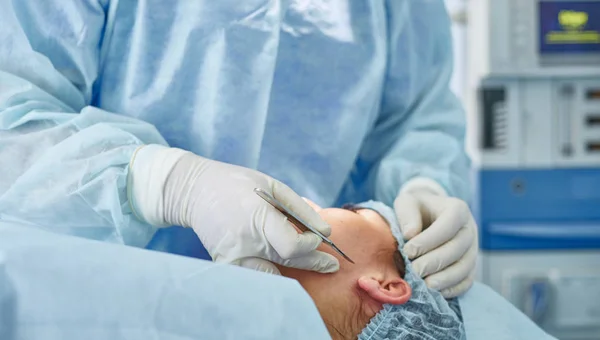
{"x": 427, "y": 315}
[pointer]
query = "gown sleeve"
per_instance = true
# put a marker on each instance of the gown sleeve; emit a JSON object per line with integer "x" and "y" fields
{"x": 63, "y": 162}
{"x": 420, "y": 131}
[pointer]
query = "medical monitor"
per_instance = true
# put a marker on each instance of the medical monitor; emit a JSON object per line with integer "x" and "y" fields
{"x": 569, "y": 32}
{"x": 539, "y": 38}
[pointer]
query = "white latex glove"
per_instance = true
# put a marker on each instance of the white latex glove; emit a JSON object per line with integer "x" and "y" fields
{"x": 174, "y": 187}
{"x": 442, "y": 237}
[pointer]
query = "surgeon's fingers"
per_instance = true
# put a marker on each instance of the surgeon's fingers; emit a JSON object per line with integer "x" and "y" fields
{"x": 409, "y": 216}
{"x": 312, "y": 204}
{"x": 295, "y": 203}
{"x": 448, "y": 223}
{"x": 454, "y": 274}
{"x": 259, "y": 264}
{"x": 460, "y": 288}
{"x": 317, "y": 261}
{"x": 445, "y": 255}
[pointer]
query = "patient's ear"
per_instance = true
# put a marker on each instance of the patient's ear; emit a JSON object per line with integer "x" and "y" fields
{"x": 394, "y": 291}
{"x": 312, "y": 204}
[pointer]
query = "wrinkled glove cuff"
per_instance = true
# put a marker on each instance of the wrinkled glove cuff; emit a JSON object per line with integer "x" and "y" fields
{"x": 149, "y": 169}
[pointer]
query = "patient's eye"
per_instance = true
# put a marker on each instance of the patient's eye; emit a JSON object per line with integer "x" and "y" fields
{"x": 351, "y": 207}
{"x": 356, "y": 208}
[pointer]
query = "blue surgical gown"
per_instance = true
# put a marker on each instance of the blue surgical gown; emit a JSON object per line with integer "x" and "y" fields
{"x": 342, "y": 100}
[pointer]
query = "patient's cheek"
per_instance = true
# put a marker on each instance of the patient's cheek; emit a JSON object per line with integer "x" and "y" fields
{"x": 287, "y": 271}
{"x": 304, "y": 277}
{"x": 324, "y": 248}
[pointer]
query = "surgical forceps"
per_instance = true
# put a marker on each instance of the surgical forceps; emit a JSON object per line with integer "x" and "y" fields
{"x": 297, "y": 221}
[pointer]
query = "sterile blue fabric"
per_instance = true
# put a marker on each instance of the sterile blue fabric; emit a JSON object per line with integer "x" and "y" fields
{"x": 426, "y": 315}
{"x": 488, "y": 315}
{"x": 344, "y": 101}
{"x": 55, "y": 287}
{"x": 58, "y": 287}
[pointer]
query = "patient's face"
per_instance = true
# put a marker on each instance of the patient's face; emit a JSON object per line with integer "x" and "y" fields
{"x": 357, "y": 291}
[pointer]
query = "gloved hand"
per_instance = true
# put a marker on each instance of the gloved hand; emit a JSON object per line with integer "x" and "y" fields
{"x": 218, "y": 201}
{"x": 442, "y": 239}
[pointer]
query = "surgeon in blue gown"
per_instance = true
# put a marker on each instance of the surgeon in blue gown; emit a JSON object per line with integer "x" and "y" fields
{"x": 118, "y": 118}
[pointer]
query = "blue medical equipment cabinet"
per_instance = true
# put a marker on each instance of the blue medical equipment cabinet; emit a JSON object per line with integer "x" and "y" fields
{"x": 531, "y": 209}
{"x": 534, "y": 96}
{"x": 539, "y": 233}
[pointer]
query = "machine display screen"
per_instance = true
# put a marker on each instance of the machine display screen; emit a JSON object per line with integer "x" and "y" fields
{"x": 569, "y": 26}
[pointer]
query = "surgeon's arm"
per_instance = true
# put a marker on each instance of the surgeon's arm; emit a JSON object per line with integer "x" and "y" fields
{"x": 63, "y": 162}
{"x": 419, "y": 137}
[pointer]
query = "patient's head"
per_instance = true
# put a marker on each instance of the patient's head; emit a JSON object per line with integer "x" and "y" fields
{"x": 349, "y": 298}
